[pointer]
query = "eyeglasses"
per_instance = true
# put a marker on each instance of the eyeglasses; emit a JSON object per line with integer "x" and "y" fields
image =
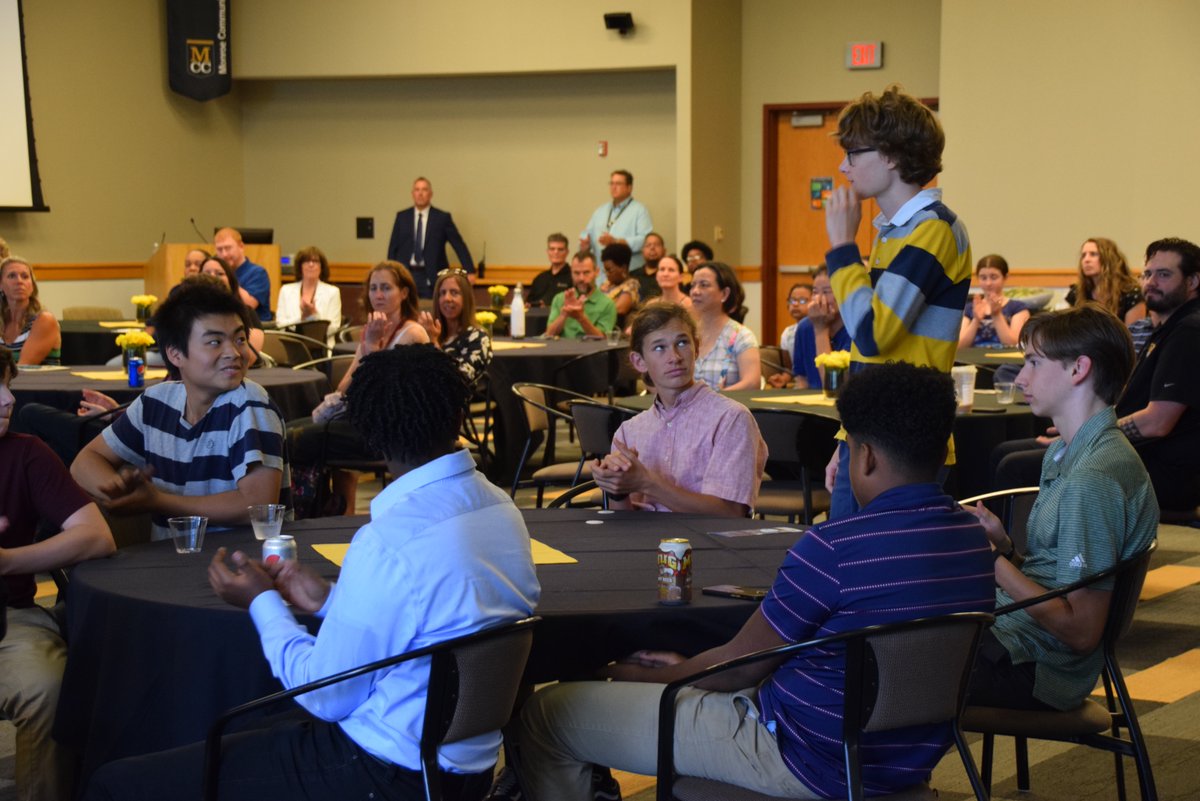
{"x": 850, "y": 154}
{"x": 797, "y": 301}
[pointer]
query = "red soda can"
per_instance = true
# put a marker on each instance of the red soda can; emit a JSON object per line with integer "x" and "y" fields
{"x": 674, "y": 572}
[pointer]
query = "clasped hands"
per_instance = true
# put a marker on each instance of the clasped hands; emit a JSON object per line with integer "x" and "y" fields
{"x": 572, "y": 304}
{"x": 129, "y": 490}
{"x": 621, "y": 472}
{"x": 241, "y": 579}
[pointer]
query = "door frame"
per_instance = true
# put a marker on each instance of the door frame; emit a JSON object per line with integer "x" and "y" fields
{"x": 770, "y": 193}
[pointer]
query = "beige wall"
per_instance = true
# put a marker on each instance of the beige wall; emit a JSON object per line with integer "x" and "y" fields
{"x": 794, "y": 52}
{"x": 512, "y": 157}
{"x": 123, "y": 159}
{"x": 1070, "y": 119}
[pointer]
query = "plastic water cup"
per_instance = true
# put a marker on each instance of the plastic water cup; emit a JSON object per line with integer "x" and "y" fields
{"x": 614, "y": 336}
{"x": 1005, "y": 392}
{"x": 964, "y": 386}
{"x": 267, "y": 519}
{"x": 188, "y": 533}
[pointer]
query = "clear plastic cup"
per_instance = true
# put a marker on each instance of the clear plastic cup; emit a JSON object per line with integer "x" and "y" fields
{"x": 267, "y": 519}
{"x": 1006, "y": 392}
{"x": 614, "y": 336}
{"x": 964, "y": 386}
{"x": 188, "y": 533}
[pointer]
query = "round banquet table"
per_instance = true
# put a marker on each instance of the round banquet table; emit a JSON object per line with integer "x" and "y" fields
{"x": 987, "y": 360}
{"x": 154, "y": 655}
{"x": 88, "y": 342}
{"x": 975, "y": 434}
{"x": 296, "y": 392}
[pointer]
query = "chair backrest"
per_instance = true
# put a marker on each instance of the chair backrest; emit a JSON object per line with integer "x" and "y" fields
{"x": 773, "y": 359}
{"x": 1130, "y": 578}
{"x": 914, "y": 670}
{"x": 540, "y": 403}
{"x": 590, "y": 374}
{"x": 797, "y": 438}
{"x": 349, "y": 333}
{"x": 92, "y": 313}
{"x": 291, "y": 349}
{"x": 1012, "y": 506}
{"x": 313, "y": 329}
{"x": 596, "y": 423}
{"x": 334, "y": 368}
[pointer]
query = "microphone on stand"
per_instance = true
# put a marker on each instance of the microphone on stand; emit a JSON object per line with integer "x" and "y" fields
{"x": 196, "y": 228}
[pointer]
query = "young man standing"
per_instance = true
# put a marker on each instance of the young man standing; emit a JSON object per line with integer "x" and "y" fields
{"x": 906, "y": 302}
{"x": 777, "y": 728}
{"x": 694, "y": 450}
{"x": 35, "y": 488}
{"x": 209, "y": 444}
{"x": 1096, "y": 507}
{"x": 445, "y": 554}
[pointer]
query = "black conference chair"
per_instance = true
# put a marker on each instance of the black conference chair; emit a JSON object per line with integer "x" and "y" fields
{"x": 334, "y": 368}
{"x": 910, "y": 673}
{"x": 1090, "y": 724}
{"x": 543, "y": 404}
{"x": 473, "y": 683}
{"x": 801, "y": 443}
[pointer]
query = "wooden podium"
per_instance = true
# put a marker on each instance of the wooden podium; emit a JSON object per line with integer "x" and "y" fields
{"x": 165, "y": 268}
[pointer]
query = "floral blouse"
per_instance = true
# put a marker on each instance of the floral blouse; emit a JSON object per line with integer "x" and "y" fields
{"x": 472, "y": 349}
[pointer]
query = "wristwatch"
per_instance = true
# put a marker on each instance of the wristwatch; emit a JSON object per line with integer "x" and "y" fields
{"x": 1012, "y": 548}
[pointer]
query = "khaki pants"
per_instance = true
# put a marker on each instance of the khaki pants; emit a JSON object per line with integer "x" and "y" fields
{"x": 568, "y": 727}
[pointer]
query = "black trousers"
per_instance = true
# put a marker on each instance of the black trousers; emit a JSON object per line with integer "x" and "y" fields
{"x": 297, "y": 757}
{"x": 996, "y": 681}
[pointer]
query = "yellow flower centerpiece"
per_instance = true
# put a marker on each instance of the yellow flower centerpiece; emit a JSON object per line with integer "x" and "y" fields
{"x": 485, "y": 319}
{"x": 498, "y": 292}
{"x": 134, "y": 343}
{"x": 835, "y": 364}
{"x": 142, "y": 304}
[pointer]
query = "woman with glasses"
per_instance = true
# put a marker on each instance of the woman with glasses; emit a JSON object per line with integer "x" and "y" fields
{"x": 310, "y": 297}
{"x": 215, "y": 267}
{"x": 1104, "y": 277}
{"x": 727, "y": 351}
{"x": 30, "y": 332}
{"x": 992, "y": 320}
{"x": 799, "y": 297}
{"x": 452, "y": 326}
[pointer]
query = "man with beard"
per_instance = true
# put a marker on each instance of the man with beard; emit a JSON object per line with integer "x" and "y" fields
{"x": 653, "y": 249}
{"x": 582, "y": 310}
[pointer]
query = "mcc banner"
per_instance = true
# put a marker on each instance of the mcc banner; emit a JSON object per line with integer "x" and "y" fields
{"x": 199, "y": 61}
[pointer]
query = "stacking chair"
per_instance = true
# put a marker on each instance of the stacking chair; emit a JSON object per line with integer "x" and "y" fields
{"x": 1012, "y": 506}
{"x": 1090, "y": 724}
{"x": 909, "y": 673}
{"x": 317, "y": 330}
{"x": 334, "y": 368}
{"x": 595, "y": 423}
{"x": 803, "y": 443}
{"x": 92, "y": 313}
{"x": 774, "y": 359}
{"x": 349, "y": 333}
{"x": 473, "y": 682}
{"x": 585, "y": 495}
{"x": 290, "y": 349}
{"x": 544, "y": 404}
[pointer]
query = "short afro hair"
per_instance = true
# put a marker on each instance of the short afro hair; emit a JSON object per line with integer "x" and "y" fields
{"x": 407, "y": 402}
{"x": 907, "y": 412}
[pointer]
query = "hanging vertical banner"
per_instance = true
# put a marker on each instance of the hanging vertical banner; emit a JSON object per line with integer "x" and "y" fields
{"x": 199, "y": 61}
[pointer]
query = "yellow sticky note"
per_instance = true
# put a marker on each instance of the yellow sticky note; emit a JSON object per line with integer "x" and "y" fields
{"x": 543, "y": 554}
{"x": 516, "y": 345}
{"x": 117, "y": 375}
{"x": 799, "y": 400}
{"x": 1015, "y": 357}
{"x": 334, "y": 552}
{"x": 122, "y": 324}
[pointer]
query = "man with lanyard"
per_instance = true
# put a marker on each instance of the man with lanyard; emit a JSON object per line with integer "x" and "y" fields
{"x": 624, "y": 220}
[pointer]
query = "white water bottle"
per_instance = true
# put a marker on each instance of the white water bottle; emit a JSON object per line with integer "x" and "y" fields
{"x": 517, "y": 320}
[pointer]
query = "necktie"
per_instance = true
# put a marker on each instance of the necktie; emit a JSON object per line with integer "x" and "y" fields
{"x": 419, "y": 244}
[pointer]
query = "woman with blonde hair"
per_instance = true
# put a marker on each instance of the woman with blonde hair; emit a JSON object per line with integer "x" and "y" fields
{"x": 1104, "y": 277}
{"x": 29, "y": 331}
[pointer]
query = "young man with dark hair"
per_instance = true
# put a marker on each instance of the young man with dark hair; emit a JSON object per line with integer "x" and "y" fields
{"x": 35, "y": 489}
{"x": 1096, "y": 507}
{"x": 208, "y": 444}
{"x": 445, "y": 553}
{"x": 905, "y": 302}
{"x": 694, "y": 450}
{"x": 773, "y": 727}
{"x": 653, "y": 249}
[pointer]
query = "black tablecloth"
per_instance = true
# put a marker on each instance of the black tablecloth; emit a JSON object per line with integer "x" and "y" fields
{"x": 987, "y": 360}
{"x": 155, "y": 656}
{"x": 975, "y": 434}
{"x": 87, "y": 342}
{"x": 297, "y": 392}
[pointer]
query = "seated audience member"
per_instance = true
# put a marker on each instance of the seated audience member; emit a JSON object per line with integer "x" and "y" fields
{"x": 1104, "y": 277}
{"x": 311, "y": 297}
{"x": 208, "y": 444}
{"x": 193, "y": 260}
{"x": 390, "y": 300}
{"x": 35, "y": 488}
{"x": 777, "y": 728}
{"x": 798, "y": 299}
{"x": 1159, "y": 409}
{"x": 653, "y": 250}
{"x": 4, "y": 250}
{"x": 30, "y": 332}
{"x": 727, "y": 351}
{"x": 253, "y": 281}
{"x": 1096, "y": 507}
{"x": 694, "y": 254}
{"x": 991, "y": 319}
{"x": 215, "y": 267}
{"x": 621, "y": 288}
{"x": 445, "y": 553}
{"x": 669, "y": 277}
{"x": 452, "y": 326}
{"x": 693, "y": 450}
{"x": 821, "y": 331}
{"x": 583, "y": 310}
{"x": 556, "y": 278}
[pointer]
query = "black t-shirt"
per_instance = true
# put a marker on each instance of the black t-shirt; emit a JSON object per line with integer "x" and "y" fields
{"x": 546, "y": 285}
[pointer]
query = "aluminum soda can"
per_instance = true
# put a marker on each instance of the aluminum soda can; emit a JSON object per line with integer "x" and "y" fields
{"x": 137, "y": 372}
{"x": 674, "y": 572}
{"x": 281, "y": 547}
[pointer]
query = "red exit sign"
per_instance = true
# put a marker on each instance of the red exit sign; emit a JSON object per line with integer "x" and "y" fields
{"x": 864, "y": 55}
